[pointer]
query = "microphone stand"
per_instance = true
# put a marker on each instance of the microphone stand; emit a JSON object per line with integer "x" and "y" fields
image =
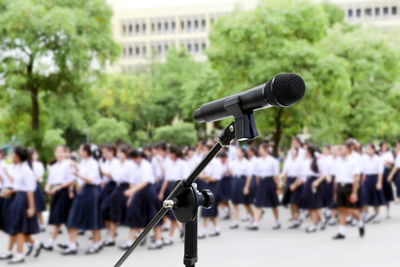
{"x": 185, "y": 199}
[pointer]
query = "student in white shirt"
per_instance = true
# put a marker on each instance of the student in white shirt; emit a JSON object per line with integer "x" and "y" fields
{"x": 225, "y": 185}
{"x": 40, "y": 199}
{"x": 23, "y": 223}
{"x": 293, "y": 185}
{"x": 85, "y": 212}
{"x": 347, "y": 181}
{"x": 388, "y": 161}
{"x": 175, "y": 169}
{"x": 373, "y": 168}
{"x": 267, "y": 171}
{"x": 58, "y": 186}
{"x": 143, "y": 201}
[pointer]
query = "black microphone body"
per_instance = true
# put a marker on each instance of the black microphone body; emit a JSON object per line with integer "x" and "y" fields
{"x": 281, "y": 91}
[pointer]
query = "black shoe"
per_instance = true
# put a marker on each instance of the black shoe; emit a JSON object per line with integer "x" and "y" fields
{"x": 234, "y": 226}
{"x": 30, "y": 249}
{"x": 277, "y": 227}
{"x": 124, "y": 247}
{"x": 38, "y": 250}
{"x": 42, "y": 229}
{"x": 252, "y": 228}
{"x": 339, "y": 237}
{"x": 109, "y": 243}
{"x": 81, "y": 232}
{"x": 295, "y": 226}
{"x": 226, "y": 217}
{"x": 311, "y": 230}
{"x": 69, "y": 252}
{"x": 215, "y": 234}
{"x": 11, "y": 262}
{"x": 62, "y": 246}
{"x": 6, "y": 257}
{"x": 47, "y": 247}
{"x": 361, "y": 231}
{"x": 155, "y": 246}
{"x": 203, "y": 236}
{"x": 92, "y": 250}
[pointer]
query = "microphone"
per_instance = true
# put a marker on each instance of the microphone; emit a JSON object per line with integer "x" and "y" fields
{"x": 283, "y": 90}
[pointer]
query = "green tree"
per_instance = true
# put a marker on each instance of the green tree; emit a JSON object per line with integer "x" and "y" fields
{"x": 180, "y": 133}
{"x": 108, "y": 130}
{"x": 52, "y": 47}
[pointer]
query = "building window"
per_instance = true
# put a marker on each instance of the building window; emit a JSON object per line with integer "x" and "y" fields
{"x": 196, "y": 47}
{"x": 203, "y": 23}
{"x": 159, "y": 26}
{"x": 143, "y": 27}
{"x": 196, "y": 24}
{"x": 203, "y": 46}
{"x": 159, "y": 49}
{"x": 166, "y": 26}
{"x": 350, "y": 13}
{"x": 130, "y": 51}
{"x": 137, "y": 51}
{"x": 124, "y": 29}
{"x": 358, "y": 12}
{"x": 182, "y": 25}
{"x": 189, "y": 47}
{"x": 144, "y": 50}
{"x": 173, "y": 25}
{"x": 189, "y": 24}
{"x": 368, "y": 12}
{"x": 130, "y": 28}
{"x": 166, "y": 47}
{"x": 385, "y": 11}
{"x": 394, "y": 10}
{"x": 153, "y": 27}
{"x": 137, "y": 28}
{"x": 377, "y": 11}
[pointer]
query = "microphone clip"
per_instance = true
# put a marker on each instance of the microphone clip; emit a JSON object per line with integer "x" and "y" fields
{"x": 245, "y": 125}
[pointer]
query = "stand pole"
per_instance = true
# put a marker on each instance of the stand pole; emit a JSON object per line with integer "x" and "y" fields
{"x": 224, "y": 139}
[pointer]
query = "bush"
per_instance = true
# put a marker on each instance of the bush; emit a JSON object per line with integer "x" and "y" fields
{"x": 181, "y": 134}
{"x": 108, "y": 130}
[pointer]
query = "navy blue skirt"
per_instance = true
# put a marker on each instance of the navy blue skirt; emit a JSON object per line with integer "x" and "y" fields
{"x": 142, "y": 208}
{"x": 291, "y": 197}
{"x": 237, "y": 196}
{"x": 158, "y": 185}
{"x": 387, "y": 186}
{"x": 40, "y": 198}
{"x": 85, "y": 212}
{"x": 225, "y": 188}
{"x": 212, "y": 212}
{"x": 59, "y": 207}
{"x": 5, "y": 212}
{"x": 1, "y": 217}
{"x": 372, "y": 196}
{"x": 113, "y": 206}
{"x": 266, "y": 195}
{"x": 170, "y": 187}
{"x": 253, "y": 188}
{"x": 397, "y": 183}
{"x": 311, "y": 200}
{"x": 106, "y": 190}
{"x": 18, "y": 222}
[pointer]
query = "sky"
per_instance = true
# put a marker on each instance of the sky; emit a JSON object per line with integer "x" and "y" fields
{"x": 127, "y": 4}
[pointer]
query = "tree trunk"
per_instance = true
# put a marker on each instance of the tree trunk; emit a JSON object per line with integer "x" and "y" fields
{"x": 278, "y": 131}
{"x": 35, "y": 111}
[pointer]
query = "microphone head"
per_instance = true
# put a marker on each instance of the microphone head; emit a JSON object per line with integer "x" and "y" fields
{"x": 285, "y": 89}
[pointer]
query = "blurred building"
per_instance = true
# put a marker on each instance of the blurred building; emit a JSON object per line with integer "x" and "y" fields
{"x": 146, "y": 33}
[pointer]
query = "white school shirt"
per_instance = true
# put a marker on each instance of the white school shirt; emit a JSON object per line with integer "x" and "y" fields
{"x": 110, "y": 167}
{"x": 38, "y": 170}
{"x": 253, "y": 165}
{"x": 226, "y": 168}
{"x": 89, "y": 168}
{"x": 214, "y": 169}
{"x": 325, "y": 164}
{"x": 291, "y": 167}
{"x": 146, "y": 172}
{"x": 176, "y": 170}
{"x": 59, "y": 173}
{"x": 2, "y": 174}
{"x": 7, "y": 183}
{"x": 24, "y": 178}
{"x": 267, "y": 166}
{"x": 194, "y": 160}
{"x": 345, "y": 169}
{"x": 358, "y": 160}
{"x": 397, "y": 160}
{"x": 240, "y": 167}
{"x": 128, "y": 172}
{"x": 387, "y": 158}
{"x": 373, "y": 165}
{"x": 305, "y": 169}
{"x": 157, "y": 165}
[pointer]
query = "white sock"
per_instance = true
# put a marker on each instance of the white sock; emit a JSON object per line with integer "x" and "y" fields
{"x": 18, "y": 256}
{"x": 50, "y": 242}
{"x": 360, "y": 223}
{"x": 342, "y": 230}
{"x": 72, "y": 246}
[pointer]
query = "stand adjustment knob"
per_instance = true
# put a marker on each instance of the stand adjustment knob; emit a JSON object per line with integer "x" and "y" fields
{"x": 208, "y": 199}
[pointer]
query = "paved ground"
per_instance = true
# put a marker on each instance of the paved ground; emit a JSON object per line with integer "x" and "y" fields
{"x": 266, "y": 247}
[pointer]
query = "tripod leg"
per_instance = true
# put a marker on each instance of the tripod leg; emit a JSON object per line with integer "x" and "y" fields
{"x": 190, "y": 256}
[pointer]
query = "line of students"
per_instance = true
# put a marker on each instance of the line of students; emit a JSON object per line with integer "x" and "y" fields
{"x": 126, "y": 187}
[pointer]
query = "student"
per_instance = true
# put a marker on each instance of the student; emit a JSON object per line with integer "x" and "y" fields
{"x": 311, "y": 198}
{"x": 267, "y": 170}
{"x": 211, "y": 176}
{"x": 225, "y": 186}
{"x": 85, "y": 212}
{"x": 347, "y": 181}
{"x": 388, "y": 160}
{"x": 23, "y": 223}
{"x": 253, "y": 157}
{"x": 293, "y": 186}
{"x": 394, "y": 175}
{"x": 40, "y": 199}
{"x": 158, "y": 164}
{"x": 241, "y": 187}
{"x": 111, "y": 198}
{"x": 333, "y": 208}
{"x": 143, "y": 201}
{"x": 59, "y": 187}
{"x": 373, "y": 168}
{"x": 175, "y": 169}
{"x": 327, "y": 186}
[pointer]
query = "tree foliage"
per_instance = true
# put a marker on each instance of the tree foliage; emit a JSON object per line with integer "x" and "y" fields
{"x": 180, "y": 133}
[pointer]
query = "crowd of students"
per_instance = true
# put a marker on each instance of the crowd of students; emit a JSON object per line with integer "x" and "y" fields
{"x": 116, "y": 186}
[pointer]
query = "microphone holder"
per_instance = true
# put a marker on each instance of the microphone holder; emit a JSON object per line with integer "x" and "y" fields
{"x": 185, "y": 199}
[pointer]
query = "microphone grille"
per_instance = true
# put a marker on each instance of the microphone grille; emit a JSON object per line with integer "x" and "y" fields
{"x": 288, "y": 88}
